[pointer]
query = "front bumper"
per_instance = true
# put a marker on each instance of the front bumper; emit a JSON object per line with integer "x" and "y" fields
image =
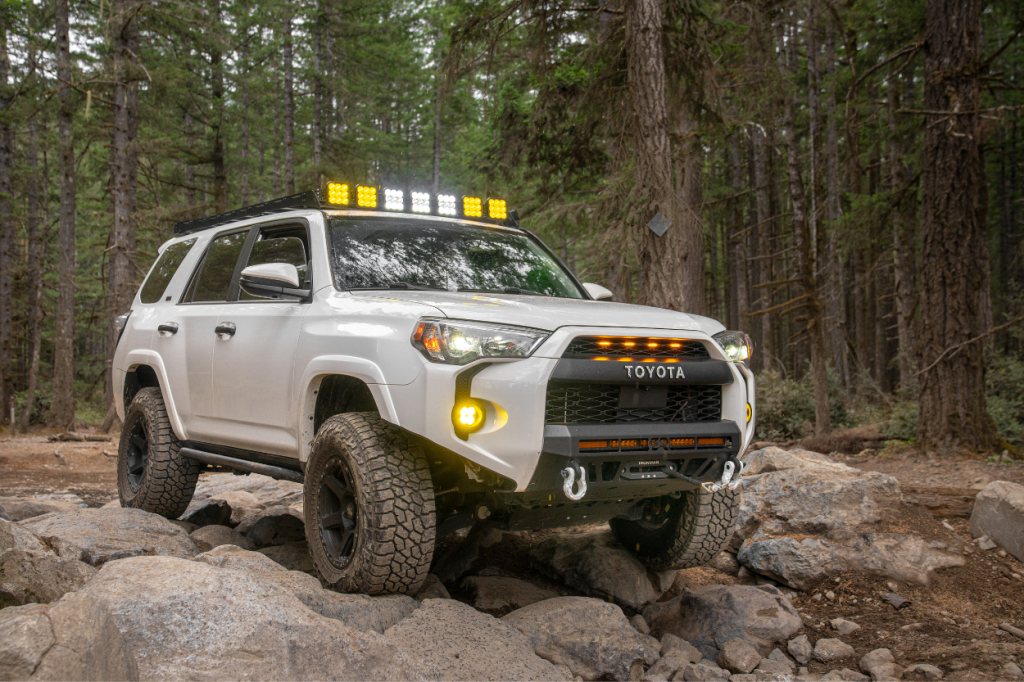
{"x": 516, "y": 443}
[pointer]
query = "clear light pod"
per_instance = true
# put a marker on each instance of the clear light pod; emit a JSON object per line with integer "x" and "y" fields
{"x": 394, "y": 200}
{"x": 337, "y": 193}
{"x": 446, "y": 204}
{"x": 366, "y": 196}
{"x": 420, "y": 202}
{"x": 472, "y": 207}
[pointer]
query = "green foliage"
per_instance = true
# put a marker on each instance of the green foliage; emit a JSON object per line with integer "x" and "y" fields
{"x": 785, "y": 407}
{"x": 1004, "y": 391}
{"x": 901, "y": 423}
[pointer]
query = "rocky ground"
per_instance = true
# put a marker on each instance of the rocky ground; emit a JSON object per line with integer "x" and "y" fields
{"x": 836, "y": 571}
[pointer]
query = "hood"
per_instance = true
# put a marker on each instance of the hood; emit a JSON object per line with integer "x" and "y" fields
{"x": 542, "y": 312}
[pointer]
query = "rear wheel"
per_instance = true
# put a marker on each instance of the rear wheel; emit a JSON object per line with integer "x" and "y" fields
{"x": 680, "y": 533}
{"x": 369, "y": 506}
{"x": 151, "y": 473}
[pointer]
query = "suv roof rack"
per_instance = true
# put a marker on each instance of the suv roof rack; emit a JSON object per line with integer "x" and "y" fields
{"x": 308, "y": 199}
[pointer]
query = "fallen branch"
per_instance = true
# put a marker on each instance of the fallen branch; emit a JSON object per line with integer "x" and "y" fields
{"x": 953, "y": 350}
{"x": 77, "y": 438}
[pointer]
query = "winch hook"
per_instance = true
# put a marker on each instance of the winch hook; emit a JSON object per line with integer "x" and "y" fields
{"x": 571, "y": 474}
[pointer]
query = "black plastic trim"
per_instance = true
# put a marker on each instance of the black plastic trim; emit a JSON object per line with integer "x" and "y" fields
{"x": 564, "y": 440}
{"x": 242, "y": 465}
{"x": 248, "y": 455}
{"x": 685, "y": 372}
{"x": 309, "y": 199}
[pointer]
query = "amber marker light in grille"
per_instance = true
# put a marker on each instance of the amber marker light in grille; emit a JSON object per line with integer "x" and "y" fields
{"x": 591, "y": 444}
{"x": 496, "y": 209}
{"x": 675, "y": 345}
{"x": 604, "y": 344}
{"x": 711, "y": 441}
{"x": 652, "y": 345}
{"x": 602, "y": 359}
{"x": 628, "y": 344}
{"x": 471, "y": 207}
{"x": 337, "y": 193}
{"x": 681, "y": 442}
{"x": 630, "y": 443}
{"x": 366, "y": 196}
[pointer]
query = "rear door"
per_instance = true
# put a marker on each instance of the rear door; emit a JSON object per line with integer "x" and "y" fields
{"x": 253, "y": 367}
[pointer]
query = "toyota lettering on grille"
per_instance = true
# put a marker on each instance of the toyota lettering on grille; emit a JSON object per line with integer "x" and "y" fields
{"x": 654, "y": 371}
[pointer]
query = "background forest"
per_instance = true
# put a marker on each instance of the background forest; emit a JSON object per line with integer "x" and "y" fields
{"x": 844, "y": 178}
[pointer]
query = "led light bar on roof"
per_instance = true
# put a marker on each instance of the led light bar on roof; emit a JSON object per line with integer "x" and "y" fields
{"x": 337, "y": 193}
{"x": 446, "y": 204}
{"x": 420, "y": 202}
{"x": 394, "y": 200}
{"x": 472, "y": 208}
{"x": 366, "y": 196}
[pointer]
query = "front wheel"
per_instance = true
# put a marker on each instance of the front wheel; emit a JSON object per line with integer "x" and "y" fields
{"x": 369, "y": 506}
{"x": 680, "y": 533}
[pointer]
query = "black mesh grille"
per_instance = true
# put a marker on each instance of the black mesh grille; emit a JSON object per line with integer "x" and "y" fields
{"x": 599, "y": 404}
{"x": 643, "y": 347}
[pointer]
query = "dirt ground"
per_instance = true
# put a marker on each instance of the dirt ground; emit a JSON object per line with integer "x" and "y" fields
{"x": 952, "y": 623}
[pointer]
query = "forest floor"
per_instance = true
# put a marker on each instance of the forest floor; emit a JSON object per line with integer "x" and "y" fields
{"x": 952, "y": 623}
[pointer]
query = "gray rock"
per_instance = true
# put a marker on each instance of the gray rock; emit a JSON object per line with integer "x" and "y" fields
{"x": 770, "y": 667}
{"x": 776, "y": 656}
{"x": 640, "y": 625}
{"x": 458, "y": 642}
{"x": 242, "y": 503}
{"x": 875, "y": 658}
{"x": 828, "y": 650}
{"x": 21, "y": 508}
{"x": 1012, "y": 671}
{"x": 707, "y": 617}
{"x": 726, "y": 562}
{"x": 930, "y": 672}
{"x": 294, "y": 556}
{"x": 738, "y": 656}
{"x": 432, "y": 589}
{"x": 843, "y": 626}
{"x": 455, "y": 563}
{"x": 800, "y": 648}
{"x": 845, "y": 674}
{"x": 208, "y": 512}
{"x": 670, "y": 643}
{"x": 4, "y": 516}
{"x": 496, "y": 593}
{"x": 999, "y": 514}
{"x": 798, "y": 563}
{"x": 705, "y": 671}
{"x": 208, "y": 537}
{"x": 267, "y": 491}
{"x": 985, "y": 543}
{"x": 97, "y": 536}
{"x": 13, "y": 536}
{"x": 237, "y": 559}
{"x": 32, "y": 577}
{"x": 668, "y": 664}
{"x": 592, "y": 637}
{"x": 276, "y": 525}
{"x": 73, "y": 639}
{"x": 164, "y": 608}
{"x": 597, "y": 565}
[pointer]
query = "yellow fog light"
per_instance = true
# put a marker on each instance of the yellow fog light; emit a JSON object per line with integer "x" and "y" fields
{"x": 468, "y": 416}
{"x": 748, "y": 413}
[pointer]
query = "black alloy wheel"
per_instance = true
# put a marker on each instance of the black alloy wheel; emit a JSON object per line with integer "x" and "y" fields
{"x": 339, "y": 514}
{"x": 138, "y": 453}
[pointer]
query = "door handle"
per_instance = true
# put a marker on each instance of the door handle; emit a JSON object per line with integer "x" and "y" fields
{"x": 168, "y": 329}
{"x": 225, "y": 329}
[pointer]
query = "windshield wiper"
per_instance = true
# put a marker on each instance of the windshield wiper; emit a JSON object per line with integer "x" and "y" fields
{"x": 400, "y": 285}
{"x": 506, "y": 290}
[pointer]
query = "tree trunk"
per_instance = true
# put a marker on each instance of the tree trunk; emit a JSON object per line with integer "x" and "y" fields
{"x": 190, "y": 169}
{"x": 903, "y": 240}
{"x": 437, "y": 112}
{"x": 35, "y": 271}
{"x": 289, "y": 106}
{"x": 318, "y": 87}
{"x": 62, "y": 406}
{"x": 660, "y": 258}
{"x": 737, "y": 257}
{"x": 220, "y": 176}
{"x": 954, "y": 414}
{"x": 833, "y": 211}
{"x": 124, "y": 165}
{"x": 691, "y": 219}
{"x": 7, "y": 234}
{"x": 763, "y": 222}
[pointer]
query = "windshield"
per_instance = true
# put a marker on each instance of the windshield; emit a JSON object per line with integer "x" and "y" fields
{"x": 383, "y": 253}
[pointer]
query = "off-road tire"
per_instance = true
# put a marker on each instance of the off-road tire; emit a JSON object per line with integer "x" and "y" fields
{"x": 697, "y": 528}
{"x": 394, "y": 496}
{"x": 167, "y": 480}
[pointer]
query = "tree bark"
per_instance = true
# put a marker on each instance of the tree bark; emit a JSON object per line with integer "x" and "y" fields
{"x": 437, "y": 111}
{"x": 318, "y": 86}
{"x": 738, "y": 245}
{"x": 668, "y": 265}
{"x": 763, "y": 222}
{"x": 124, "y": 164}
{"x": 220, "y": 176}
{"x": 35, "y": 271}
{"x": 691, "y": 219}
{"x": 7, "y": 233}
{"x": 954, "y": 413}
{"x": 903, "y": 237}
{"x": 833, "y": 211}
{"x": 62, "y": 406}
{"x": 289, "y": 106}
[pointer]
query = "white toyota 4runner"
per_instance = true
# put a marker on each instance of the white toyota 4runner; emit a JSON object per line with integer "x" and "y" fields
{"x": 421, "y": 364}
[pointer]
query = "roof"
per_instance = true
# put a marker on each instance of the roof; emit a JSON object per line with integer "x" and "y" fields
{"x": 308, "y": 199}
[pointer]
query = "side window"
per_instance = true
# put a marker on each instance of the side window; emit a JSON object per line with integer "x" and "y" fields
{"x": 213, "y": 280}
{"x": 163, "y": 270}
{"x": 287, "y": 245}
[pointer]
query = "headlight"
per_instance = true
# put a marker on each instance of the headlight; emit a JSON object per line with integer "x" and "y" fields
{"x": 737, "y": 345}
{"x": 458, "y": 343}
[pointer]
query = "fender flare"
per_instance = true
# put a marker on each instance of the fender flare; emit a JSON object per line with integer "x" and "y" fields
{"x": 153, "y": 359}
{"x": 359, "y": 368}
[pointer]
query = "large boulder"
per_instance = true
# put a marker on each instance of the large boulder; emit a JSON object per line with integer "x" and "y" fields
{"x": 591, "y": 637}
{"x": 208, "y": 537}
{"x": 597, "y": 565}
{"x": 208, "y": 512}
{"x": 188, "y": 619}
{"x": 267, "y": 491}
{"x": 457, "y": 642}
{"x": 800, "y": 562}
{"x": 73, "y": 639}
{"x": 499, "y": 593}
{"x": 13, "y": 536}
{"x": 277, "y": 525}
{"x": 33, "y": 577}
{"x": 999, "y": 514}
{"x": 242, "y": 503}
{"x": 708, "y": 617}
{"x": 21, "y": 508}
{"x": 294, "y": 556}
{"x": 97, "y": 536}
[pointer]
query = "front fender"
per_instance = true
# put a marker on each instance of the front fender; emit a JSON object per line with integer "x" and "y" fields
{"x": 148, "y": 357}
{"x": 366, "y": 371}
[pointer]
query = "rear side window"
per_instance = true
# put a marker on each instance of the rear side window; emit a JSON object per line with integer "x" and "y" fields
{"x": 214, "y": 278}
{"x": 163, "y": 270}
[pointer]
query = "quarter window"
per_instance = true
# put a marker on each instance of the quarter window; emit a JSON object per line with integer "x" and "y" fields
{"x": 163, "y": 270}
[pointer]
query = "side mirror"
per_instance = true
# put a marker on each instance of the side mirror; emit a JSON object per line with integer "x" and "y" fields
{"x": 272, "y": 280}
{"x": 597, "y": 291}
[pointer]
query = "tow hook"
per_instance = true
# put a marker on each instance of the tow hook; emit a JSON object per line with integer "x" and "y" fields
{"x": 571, "y": 474}
{"x": 730, "y": 477}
